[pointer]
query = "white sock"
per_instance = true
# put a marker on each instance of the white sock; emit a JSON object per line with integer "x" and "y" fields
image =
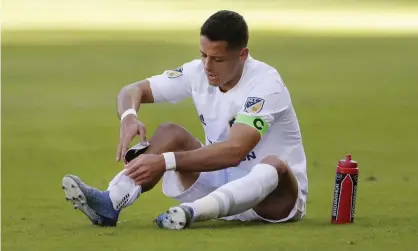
{"x": 237, "y": 196}
{"x": 123, "y": 191}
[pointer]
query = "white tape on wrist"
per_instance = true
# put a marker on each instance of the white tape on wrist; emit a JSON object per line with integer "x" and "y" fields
{"x": 127, "y": 112}
{"x": 170, "y": 161}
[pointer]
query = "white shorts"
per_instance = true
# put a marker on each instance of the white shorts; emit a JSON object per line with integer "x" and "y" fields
{"x": 210, "y": 181}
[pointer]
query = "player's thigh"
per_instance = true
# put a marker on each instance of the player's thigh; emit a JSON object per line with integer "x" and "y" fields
{"x": 280, "y": 203}
{"x": 190, "y": 186}
{"x": 170, "y": 137}
{"x": 206, "y": 183}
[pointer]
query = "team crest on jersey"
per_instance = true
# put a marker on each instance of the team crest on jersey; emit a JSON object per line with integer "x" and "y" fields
{"x": 253, "y": 105}
{"x": 175, "y": 73}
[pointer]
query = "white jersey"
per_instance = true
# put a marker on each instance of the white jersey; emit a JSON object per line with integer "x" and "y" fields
{"x": 260, "y": 92}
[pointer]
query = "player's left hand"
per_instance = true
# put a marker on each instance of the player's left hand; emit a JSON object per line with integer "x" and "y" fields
{"x": 146, "y": 169}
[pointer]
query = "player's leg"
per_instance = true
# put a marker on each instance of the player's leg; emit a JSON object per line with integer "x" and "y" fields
{"x": 103, "y": 207}
{"x": 270, "y": 188}
{"x": 170, "y": 137}
{"x": 167, "y": 138}
{"x": 279, "y": 204}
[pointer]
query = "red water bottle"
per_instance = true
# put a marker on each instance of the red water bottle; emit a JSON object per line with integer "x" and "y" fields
{"x": 345, "y": 191}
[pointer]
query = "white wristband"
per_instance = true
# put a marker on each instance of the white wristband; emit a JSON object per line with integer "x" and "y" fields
{"x": 127, "y": 112}
{"x": 170, "y": 161}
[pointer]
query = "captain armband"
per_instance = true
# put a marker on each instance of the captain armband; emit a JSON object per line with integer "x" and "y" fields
{"x": 256, "y": 122}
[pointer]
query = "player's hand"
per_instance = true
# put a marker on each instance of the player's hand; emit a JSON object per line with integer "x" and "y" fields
{"x": 129, "y": 128}
{"x": 146, "y": 169}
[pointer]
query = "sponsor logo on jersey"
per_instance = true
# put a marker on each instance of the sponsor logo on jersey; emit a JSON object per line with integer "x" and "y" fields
{"x": 253, "y": 105}
{"x": 250, "y": 156}
{"x": 175, "y": 73}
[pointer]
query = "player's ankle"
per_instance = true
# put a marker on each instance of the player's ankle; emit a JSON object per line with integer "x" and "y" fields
{"x": 121, "y": 199}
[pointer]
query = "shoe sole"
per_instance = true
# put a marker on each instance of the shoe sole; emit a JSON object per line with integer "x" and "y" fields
{"x": 74, "y": 194}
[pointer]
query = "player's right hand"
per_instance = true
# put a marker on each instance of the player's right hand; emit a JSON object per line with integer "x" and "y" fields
{"x": 129, "y": 128}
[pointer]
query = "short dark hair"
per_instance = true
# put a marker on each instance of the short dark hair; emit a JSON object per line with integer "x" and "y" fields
{"x": 226, "y": 26}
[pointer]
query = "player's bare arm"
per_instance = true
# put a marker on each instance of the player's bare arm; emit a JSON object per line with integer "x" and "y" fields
{"x": 242, "y": 139}
{"x": 131, "y": 96}
{"x": 231, "y": 152}
{"x": 129, "y": 99}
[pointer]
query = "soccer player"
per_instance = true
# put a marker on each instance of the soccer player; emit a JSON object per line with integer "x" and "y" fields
{"x": 253, "y": 166}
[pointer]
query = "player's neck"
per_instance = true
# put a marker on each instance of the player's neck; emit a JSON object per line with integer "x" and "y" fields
{"x": 232, "y": 83}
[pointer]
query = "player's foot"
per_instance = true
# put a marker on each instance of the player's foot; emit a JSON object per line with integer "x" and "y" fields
{"x": 176, "y": 218}
{"x": 95, "y": 204}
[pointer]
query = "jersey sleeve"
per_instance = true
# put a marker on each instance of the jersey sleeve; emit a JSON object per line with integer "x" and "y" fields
{"x": 172, "y": 85}
{"x": 264, "y": 108}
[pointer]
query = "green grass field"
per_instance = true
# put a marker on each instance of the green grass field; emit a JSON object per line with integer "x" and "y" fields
{"x": 351, "y": 94}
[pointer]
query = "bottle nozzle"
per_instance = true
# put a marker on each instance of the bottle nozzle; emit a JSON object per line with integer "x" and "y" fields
{"x": 348, "y": 157}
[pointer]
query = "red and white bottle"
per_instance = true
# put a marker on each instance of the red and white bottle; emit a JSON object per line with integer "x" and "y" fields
{"x": 345, "y": 191}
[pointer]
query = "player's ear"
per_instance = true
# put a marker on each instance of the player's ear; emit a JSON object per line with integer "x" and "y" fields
{"x": 244, "y": 54}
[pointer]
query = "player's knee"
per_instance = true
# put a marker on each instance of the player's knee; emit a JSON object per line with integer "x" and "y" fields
{"x": 281, "y": 166}
{"x": 170, "y": 130}
{"x": 175, "y": 137}
{"x": 168, "y": 127}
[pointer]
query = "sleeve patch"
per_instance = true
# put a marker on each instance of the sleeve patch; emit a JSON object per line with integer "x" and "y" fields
{"x": 257, "y": 123}
{"x": 174, "y": 73}
{"x": 253, "y": 105}
{"x": 179, "y": 69}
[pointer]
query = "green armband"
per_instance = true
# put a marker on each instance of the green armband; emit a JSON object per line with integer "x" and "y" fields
{"x": 255, "y": 122}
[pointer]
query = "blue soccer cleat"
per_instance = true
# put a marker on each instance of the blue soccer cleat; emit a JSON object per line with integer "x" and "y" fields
{"x": 95, "y": 204}
{"x": 175, "y": 218}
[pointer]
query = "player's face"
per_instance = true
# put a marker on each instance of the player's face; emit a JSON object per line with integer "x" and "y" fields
{"x": 223, "y": 66}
